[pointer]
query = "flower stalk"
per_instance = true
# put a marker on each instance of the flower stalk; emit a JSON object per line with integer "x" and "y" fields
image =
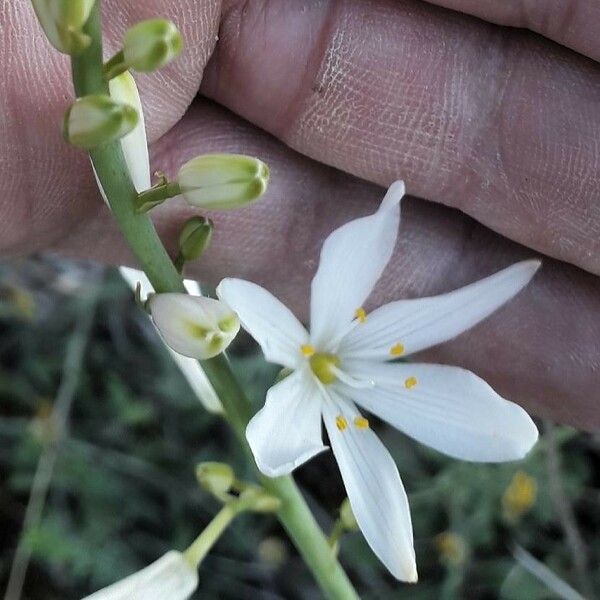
{"x": 112, "y": 172}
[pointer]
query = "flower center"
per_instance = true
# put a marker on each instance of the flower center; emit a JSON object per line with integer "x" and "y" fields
{"x": 321, "y": 364}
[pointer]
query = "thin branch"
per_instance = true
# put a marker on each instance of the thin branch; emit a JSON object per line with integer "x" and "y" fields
{"x": 47, "y": 461}
{"x": 565, "y": 513}
{"x": 542, "y": 573}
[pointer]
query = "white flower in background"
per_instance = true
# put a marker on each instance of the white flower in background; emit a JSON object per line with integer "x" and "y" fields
{"x": 190, "y": 367}
{"x": 171, "y": 577}
{"x": 345, "y": 362}
{"x": 194, "y": 326}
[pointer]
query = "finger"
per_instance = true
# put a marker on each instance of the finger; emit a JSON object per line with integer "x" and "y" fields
{"x": 572, "y": 23}
{"x": 40, "y": 176}
{"x": 541, "y": 350}
{"x": 494, "y": 121}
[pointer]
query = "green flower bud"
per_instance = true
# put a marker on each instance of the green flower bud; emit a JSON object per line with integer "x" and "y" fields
{"x": 195, "y": 237}
{"x": 95, "y": 120}
{"x": 347, "y": 516}
{"x": 151, "y": 44}
{"x": 62, "y": 22}
{"x": 258, "y": 500}
{"x": 214, "y": 477}
{"x": 223, "y": 181}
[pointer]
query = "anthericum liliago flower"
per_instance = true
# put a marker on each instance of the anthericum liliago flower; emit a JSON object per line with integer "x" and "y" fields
{"x": 346, "y": 362}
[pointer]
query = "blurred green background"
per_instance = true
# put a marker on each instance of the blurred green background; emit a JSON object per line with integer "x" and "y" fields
{"x": 123, "y": 489}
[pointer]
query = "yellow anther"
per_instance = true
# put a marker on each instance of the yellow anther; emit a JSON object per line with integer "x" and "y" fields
{"x": 361, "y": 423}
{"x": 341, "y": 422}
{"x": 397, "y": 350}
{"x": 361, "y": 314}
{"x": 410, "y": 382}
{"x": 307, "y": 350}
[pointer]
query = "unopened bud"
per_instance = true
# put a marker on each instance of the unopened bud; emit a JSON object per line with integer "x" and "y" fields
{"x": 151, "y": 44}
{"x": 195, "y": 237}
{"x": 62, "y": 22}
{"x": 194, "y": 326}
{"x": 223, "y": 181}
{"x": 216, "y": 478}
{"x": 171, "y": 576}
{"x": 347, "y": 516}
{"x": 95, "y": 120}
{"x": 258, "y": 500}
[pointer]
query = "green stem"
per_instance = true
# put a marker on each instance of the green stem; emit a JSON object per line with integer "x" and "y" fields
{"x": 156, "y": 195}
{"x": 139, "y": 232}
{"x": 336, "y": 533}
{"x": 201, "y": 546}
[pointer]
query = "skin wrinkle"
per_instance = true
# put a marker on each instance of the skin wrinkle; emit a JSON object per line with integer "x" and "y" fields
{"x": 553, "y": 323}
{"x": 384, "y": 110}
{"x": 572, "y": 23}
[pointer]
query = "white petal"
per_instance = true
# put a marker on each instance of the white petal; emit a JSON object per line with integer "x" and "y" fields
{"x": 134, "y": 144}
{"x": 171, "y": 576}
{"x": 425, "y": 322}
{"x": 374, "y": 489}
{"x": 447, "y": 408}
{"x": 286, "y": 432}
{"x": 352, "y": 260}
{"x": 267, "y": 320}
{"x": 194, "y": 326}
{"x": 189, "y": 367}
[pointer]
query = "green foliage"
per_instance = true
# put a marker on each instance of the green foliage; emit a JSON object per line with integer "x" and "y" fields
{"x": 124, "y": 489}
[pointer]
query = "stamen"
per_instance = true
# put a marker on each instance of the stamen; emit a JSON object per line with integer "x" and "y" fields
{"x": 397, "y": 349}
{"x": 341, "y": 422}
{"x": 410, "y": 383}
{"x": 361, "y": 423}
{"x": 351, "y": 381}
{"x": 361, "y": 314}
{"x": 307, "y": 350}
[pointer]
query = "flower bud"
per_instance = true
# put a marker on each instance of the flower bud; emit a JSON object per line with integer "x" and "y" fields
{"x": 223, "y": 181}
{"x": 171, "y": 576}
{"x": 95, "y": 120}
{"x": 195, "y": 237}
{"x": 151, "y": 44}
{"x": 62, "y": 22}
{"x": 216, "y": 478}
{"x": 194, "y": 326}
{"x": 258, "y": 500}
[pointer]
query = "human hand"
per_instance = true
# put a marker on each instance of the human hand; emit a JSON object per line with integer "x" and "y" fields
{"x": 499, "y": 123}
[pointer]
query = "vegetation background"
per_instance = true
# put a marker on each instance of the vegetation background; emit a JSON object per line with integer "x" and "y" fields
{"x": 123, "y": 489}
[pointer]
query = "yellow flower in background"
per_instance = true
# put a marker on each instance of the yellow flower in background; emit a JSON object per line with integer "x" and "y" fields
{"x": 519, "y": 496}
{"x": 451, "y": 547}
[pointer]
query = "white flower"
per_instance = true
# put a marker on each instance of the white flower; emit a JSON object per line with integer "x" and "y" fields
{"x": 345, "y": 362}
{"x": 190, "y": 367}
{"x": 171, "y": 577}
{"x": 194, "y": 326}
